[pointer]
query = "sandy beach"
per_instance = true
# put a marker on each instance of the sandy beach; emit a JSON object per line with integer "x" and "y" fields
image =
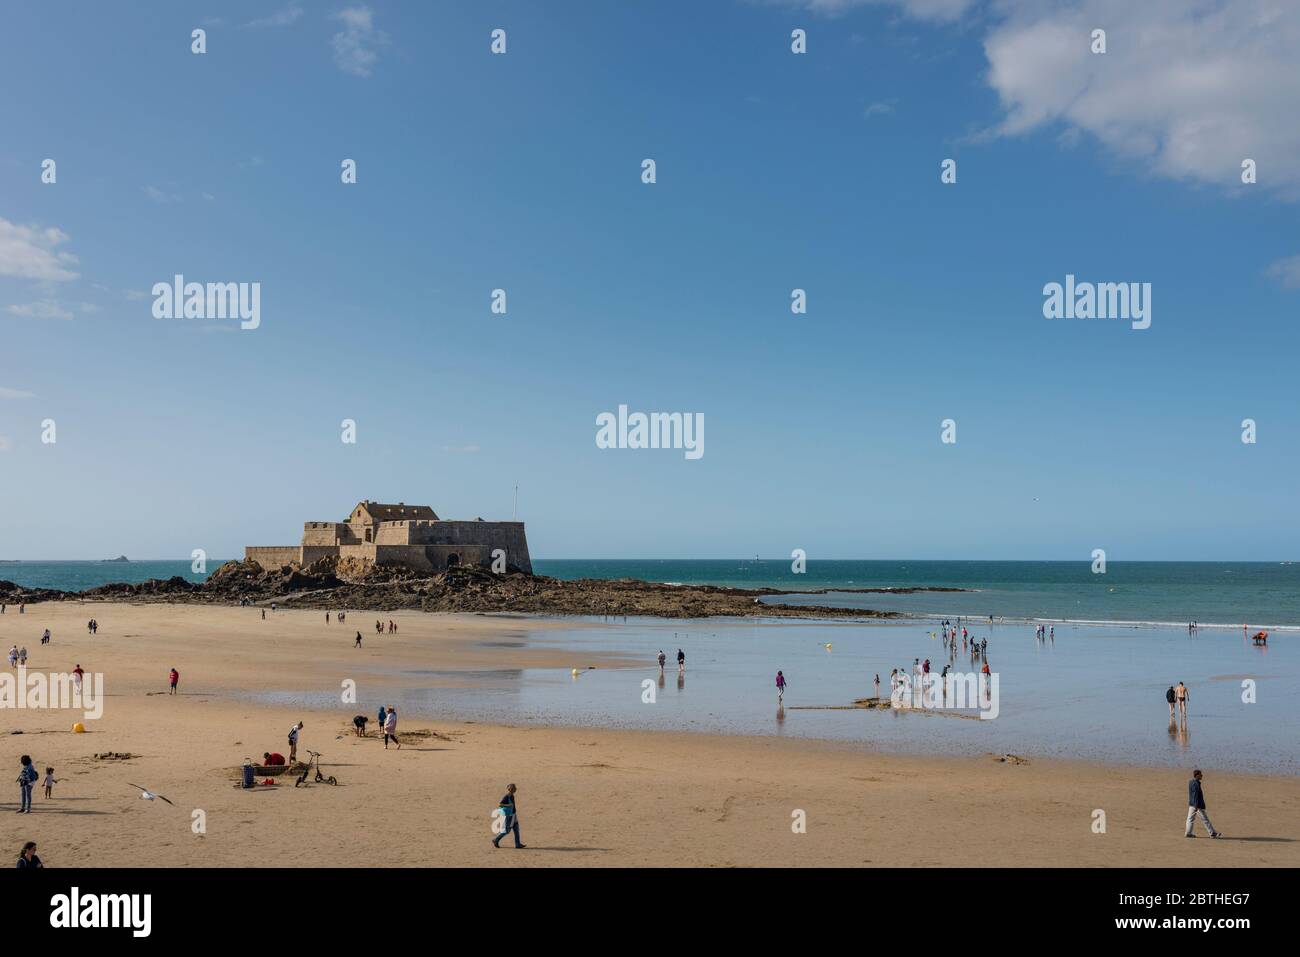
{"x": 587, "y": 796}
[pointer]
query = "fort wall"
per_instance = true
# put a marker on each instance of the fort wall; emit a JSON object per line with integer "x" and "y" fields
{"x": 273, "y": 556}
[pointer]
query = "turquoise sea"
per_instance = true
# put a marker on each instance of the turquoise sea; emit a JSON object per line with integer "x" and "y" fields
{"x": 1263, "y": 594}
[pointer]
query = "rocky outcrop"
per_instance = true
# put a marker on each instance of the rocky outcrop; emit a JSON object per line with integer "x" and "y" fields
{"x": 333, "y": 583}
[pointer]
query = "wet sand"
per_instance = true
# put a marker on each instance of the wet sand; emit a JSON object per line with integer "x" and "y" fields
{"x": 587, "y": 796}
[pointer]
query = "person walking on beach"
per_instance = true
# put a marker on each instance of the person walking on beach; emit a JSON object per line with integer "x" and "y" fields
{"x": 13, "y": 656}
{"x": 358, "y": 644}
{"x": 390, "y": 728}
{"x": 510, "y": 815}
{"x": 877, "y": 685}
{"x": 1181, "y": 694}
{"x": 662, "y": 658}
{"x": 27, "y": 776}
{"x": 780, "y": 686}
{"x": 1171, "y": 697}
{"x": 173, "y": 679}
{"x": 50, "y": 781}
{"x": 22, "y": 656}
{"x": 681, "y": 660}
{"x": 1196, "y": 805}
{"x": 327, "y": 618}
{"x": 263, "y": 614}
{"x": 293, "y": 741}
{"x": 45, "y": 637}
{"x": 77, "y": 674}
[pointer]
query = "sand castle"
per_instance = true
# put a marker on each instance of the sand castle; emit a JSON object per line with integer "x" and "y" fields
{"x": 407, "y": 536}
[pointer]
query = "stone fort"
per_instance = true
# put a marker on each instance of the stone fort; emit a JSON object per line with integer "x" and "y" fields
{"x": 408, "y": 536}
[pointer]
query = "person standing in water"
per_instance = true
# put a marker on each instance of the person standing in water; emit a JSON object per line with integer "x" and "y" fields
{"x": 780, "y": 686}
{"x": 1171, "y": 697}
{"x": 681, "y": 660}
{"x": 662, "y": 659}
{"x": 877, "y": 685}
{"x": 1180, "y": 692}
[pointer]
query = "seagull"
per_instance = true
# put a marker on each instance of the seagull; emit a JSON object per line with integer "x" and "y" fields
{"x": 147, "y": 795}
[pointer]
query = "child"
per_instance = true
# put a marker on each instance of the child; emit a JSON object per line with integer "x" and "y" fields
{"x": 780, "y": 686}
{"x": 50, "y": 781}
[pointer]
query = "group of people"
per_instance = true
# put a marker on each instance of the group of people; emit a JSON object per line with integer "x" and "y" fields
{"x": 92, "y": 626}
{"x": 17, "y": 656}
{"x": 342, "y": 616}
{"x": 387, "y": 719}
{"x": 22, "y": 608}
{"x": 681, "y": 660}
{"x": 1045, "y": 632}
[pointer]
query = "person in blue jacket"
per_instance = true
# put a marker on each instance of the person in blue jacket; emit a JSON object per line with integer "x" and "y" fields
{"x": 1196, "y": 805}
{"x": 26, "y": 779}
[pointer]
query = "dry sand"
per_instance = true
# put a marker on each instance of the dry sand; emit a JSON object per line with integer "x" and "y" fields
{"x": 586, "y": 797}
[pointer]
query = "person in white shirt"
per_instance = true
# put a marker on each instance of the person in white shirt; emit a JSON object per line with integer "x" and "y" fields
{"x": 293, "y": 741}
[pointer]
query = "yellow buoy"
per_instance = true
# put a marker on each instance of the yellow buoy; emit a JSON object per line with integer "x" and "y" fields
{"x": 79, "y": 728}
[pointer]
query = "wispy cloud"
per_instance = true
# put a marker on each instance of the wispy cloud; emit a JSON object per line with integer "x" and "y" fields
{"x": 160, "y": 196}
{"x": 460, "y": 449}
{"x": 5, "y": 444}
{"x": 1286, "y": 271}
{"x": 30, "y": 252}
{"x": 356, "y": 47}
{"x": 938, "y": 11}
{"x": 41, "y": 309}
{"x": 7, "y": 393}
{"x": 290, "y": 14}
{"x": 879, "y": 108}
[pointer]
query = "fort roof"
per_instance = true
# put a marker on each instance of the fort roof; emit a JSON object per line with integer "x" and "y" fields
{"x": 378, "y": 512}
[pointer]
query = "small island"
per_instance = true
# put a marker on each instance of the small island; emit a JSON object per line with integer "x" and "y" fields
{"x": 120, "y": 558}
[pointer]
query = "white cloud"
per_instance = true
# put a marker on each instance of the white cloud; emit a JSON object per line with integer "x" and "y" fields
{"x": 42, "y": 309}
{"x": 1188, "y": 89}
{"x": 880, "y": 107}
{"x": 159, "y": 196}
{"x": 6, "y": 393}
{"x": 1286, "y": 271}
{"x": 939, "y": 11}
{"x": 5, "y": 444}
{"x": 356, "y": 47}
{"x": 29, "y": 252}
{"x": 288, "y": 15}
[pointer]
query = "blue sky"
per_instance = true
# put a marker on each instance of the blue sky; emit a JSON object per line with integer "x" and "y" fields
{"x": 775, "y": 171}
